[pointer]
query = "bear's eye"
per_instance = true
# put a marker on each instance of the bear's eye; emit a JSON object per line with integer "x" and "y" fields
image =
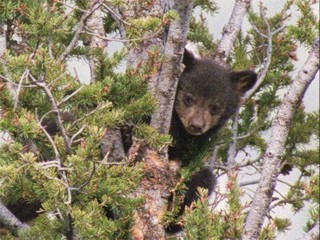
{"x": 214, "y": 109}
{"x": 188, "y": 100}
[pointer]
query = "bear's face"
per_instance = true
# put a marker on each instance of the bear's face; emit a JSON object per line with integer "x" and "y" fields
{"x": 208, "y": 94}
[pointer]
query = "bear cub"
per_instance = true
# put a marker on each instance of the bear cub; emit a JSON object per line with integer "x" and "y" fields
{"x": 208, "y": 94}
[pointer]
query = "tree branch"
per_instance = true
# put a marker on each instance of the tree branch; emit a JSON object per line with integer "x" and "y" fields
{"x": 10, "y": 221}
{"x": 275, "y": 148}
{"x": 231, "y": 30}
{"x": 159, "y": 177}
{"x": 94, "y": 5}
{"x": 313, "y": 233}
{"x": 3, "y": 48}
{"x": 56, "y": 112}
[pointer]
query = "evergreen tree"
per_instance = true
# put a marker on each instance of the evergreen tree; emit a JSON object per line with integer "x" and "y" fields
{"x": 91, "y": 157}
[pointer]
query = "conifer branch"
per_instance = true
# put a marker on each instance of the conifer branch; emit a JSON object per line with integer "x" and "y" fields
{"x": 93, "y": 6}
{"x": 261, "y": 76}
{"x": 10, "y": 221}
{"x": 313, "y": 233}
{"x": 279, "y": 132}
{"x": 266, "y": 63}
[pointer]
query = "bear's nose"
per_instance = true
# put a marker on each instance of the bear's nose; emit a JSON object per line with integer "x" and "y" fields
{"x": 196, "y": 125}
{"x": 195, "y": 128}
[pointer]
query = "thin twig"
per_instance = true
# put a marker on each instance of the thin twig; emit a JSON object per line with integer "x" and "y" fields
{"x": 55, "y": 149}
{"x": 99, "y": 107}
{"x": 77, "y": 133}
{"x": 115, "y": 15}
{"x": 15, "y": 84}
{"x": 94, "y": 6}
{"x": 55, "y": 111}
{"x": 69, "y": 96}
{"x": 16, "y": 100}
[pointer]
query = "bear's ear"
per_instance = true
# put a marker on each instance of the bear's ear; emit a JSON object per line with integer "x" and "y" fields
{"x": 188, "y": 59}
{"x": 243, "y": 80}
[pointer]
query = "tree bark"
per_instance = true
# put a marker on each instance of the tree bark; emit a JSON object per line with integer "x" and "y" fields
{"x": 165, "y": 84}
{"x": 159, "y": 177}
{"x": 231, "y": 30}
{"x": 273, "y": 155}
{"x": 95, "y": 25}
{"x": 3, "y": 48}
{"x": 10, "y": 221}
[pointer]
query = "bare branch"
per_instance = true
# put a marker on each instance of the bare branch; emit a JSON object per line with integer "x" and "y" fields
{"x": 94, "y": 6}
{"x": 246, "y": 183}
{"x": 267, "y": 61}
{"x": 10, "y": 221}
{"x": 233, "y": 146}
{"x": 55, "y": 149}
{"x": 77, "y": 133}
{"x": 69, "y": 96}
{"x": 232, "y": 151}
{"x": 274, "y": 151}
{"x": 231, "y": 30}
{"x": 99, "y": 107}
{"x": 56, "y": 112}
{"x": 16, "y": 100}
{"x": 115, "y": 15}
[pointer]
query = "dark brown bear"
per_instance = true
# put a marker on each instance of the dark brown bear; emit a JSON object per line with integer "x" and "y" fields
{"x": 208, "y": 95}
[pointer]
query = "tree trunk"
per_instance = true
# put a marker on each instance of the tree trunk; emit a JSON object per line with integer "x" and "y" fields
{"x": 159, "y": 178}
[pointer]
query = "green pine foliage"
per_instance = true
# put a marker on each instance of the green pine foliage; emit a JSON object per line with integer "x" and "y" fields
{"x": 80, "y": 188}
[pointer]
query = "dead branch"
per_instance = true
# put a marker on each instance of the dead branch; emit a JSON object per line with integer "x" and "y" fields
{"x": 261, "y": 76}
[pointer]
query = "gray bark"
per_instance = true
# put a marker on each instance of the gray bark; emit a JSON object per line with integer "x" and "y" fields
{"x": 231, "y": 30}
{"x": 3, "y": 48}
{"x": 158, "y": 179}
{"x": 10, "y": 221}
{"x": 166, "y": 82}
{"x": 95, "y": 25}
{"x": 273, "y": 155}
